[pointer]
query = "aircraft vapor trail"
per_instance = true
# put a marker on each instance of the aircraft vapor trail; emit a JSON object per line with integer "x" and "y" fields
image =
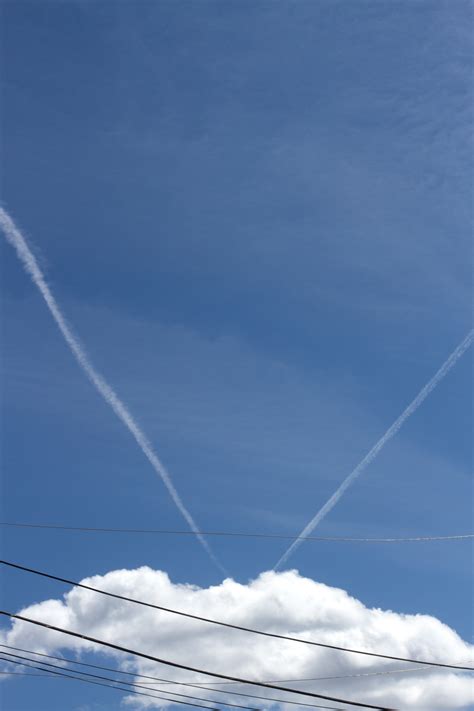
{"x": 28, "y": 260}
{"x": 391, "y": 432}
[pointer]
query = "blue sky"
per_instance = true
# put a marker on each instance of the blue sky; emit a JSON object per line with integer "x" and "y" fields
{"x": 257, "y": 217}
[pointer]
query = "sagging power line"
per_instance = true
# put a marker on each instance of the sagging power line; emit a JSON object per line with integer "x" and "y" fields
{"x": 232, "y": 626}
{"x": 239, "y": 534}
{"x": 146, "y": 685}
{"x": 186, "y": 667}
{"x": 111, "y": 686}
{"x": 122, "y": 681}
{"x": 208, "y": 685}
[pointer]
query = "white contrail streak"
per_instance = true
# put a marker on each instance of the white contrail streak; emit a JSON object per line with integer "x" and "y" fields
{"x": 391, "y": 432}
{"x": 16, "y": 239}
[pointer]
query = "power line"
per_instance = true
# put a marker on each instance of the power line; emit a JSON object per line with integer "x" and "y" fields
{"x": 48, "y": 675}
{"x": 231, "y": 626}
{"x": 199, "y": 685}
{"x": 127, "y": 683}
{"x": 240, "y": 534}
{"x": 157, "y": 679}
{"x": 52, "y": 675}
{"x": 321, "y": 678}
{"x": 109, "y": 686}
{"x": 44, "y": 676}
{"x": 208, "y": 684}
{"x": 197, "y": 670}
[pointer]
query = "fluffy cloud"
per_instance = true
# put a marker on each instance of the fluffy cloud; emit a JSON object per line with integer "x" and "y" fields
{"x": 286, "y": 603}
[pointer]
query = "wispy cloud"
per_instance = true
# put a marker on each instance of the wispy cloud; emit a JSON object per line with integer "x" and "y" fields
{"x": 391, "y": 432}
{"x": 17, "y": 240}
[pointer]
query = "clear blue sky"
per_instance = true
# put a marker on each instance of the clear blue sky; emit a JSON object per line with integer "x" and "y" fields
{"x": 257, "y": 216}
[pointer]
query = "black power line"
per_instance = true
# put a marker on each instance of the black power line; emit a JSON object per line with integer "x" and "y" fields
{"x": 176, "y": 665}
{"x": 42, "y": 676}
{"x": 208, "y": 684}
{"x": 175, "y": 683}
{"x": 109, "y": 686}
{"x": 240, "y": 534}
{"x": 120, "y": 681}
{"x": 231, "y": 626}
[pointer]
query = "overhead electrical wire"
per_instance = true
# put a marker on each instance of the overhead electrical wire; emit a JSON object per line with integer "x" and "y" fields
{"x": 240, "y": 534}
{"x": 111, "y": 686}
{"x": 232, "y": 626}
{"x": 189, "y": 668}
{"x": 208, "y": 684}
{"x": 47, "y": 675}
{"x": 146, "y": 686}
{"x": 121, "y": 681}
{"x": 44, "y": 676}
{"x": 196, "y": 684}
{"x": 323, "y": 678}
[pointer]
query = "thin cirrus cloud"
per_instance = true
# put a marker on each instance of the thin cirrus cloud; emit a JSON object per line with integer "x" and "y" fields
{"x": 283, "y": 602}
{"x": 30, "y": 264}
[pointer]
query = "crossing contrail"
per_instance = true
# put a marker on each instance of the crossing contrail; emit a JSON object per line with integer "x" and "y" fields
{"x": 391, "y": 432}
{"x": 16, "y": 239}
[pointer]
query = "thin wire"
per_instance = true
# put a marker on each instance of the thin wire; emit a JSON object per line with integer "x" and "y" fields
{"x": 109, "y": 686}
{"x": 176, "y": 665}
{"x": 238, "y": 534}
{"x": 127, "y": 683}
{"x": 182, "y": 683}
{"x": 266, "y": 698}
{"x": 231, "y": 626}
{"x": 222, "y": 683}
{"x": 145, "y": 686}
{"x": 45, "y": 676}
{"x": 319, "y": 678}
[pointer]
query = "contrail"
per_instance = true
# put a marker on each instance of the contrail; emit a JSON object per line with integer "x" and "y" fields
{"x": 391, "y": 432}
{"x": 16, "y": 239}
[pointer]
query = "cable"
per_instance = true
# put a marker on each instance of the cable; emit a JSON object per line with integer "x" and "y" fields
{"x": 238, "y": 534}
{"x": 231, "y": 626}
{"x": 176, "y": 665}
{"x": 143, "y": 686}
{"x": 320, "y": 678}
{"x": 109, "y": 686}
{"x": 44, "y": 676}
{"x": 208, "y": 684}
{"x": 167, "y": 681}
{"x": 127, "y": 683}
{"x": 48, "y": 675}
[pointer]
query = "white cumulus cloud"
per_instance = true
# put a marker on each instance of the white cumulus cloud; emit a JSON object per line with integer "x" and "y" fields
{"x": 285, "y": 603}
